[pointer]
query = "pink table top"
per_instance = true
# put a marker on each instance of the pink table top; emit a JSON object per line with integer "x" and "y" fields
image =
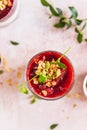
{"x": 35, "y": 32}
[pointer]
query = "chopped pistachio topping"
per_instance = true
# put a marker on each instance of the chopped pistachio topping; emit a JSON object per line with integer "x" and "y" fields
{"x": 47, "y": 72}
{"x": 44, "y": 92}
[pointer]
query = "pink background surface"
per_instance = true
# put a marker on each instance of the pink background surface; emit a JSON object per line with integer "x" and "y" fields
{"x": 35, "y": 32}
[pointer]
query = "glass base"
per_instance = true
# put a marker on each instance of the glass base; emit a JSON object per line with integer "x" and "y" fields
{"x": 11, "y": 15}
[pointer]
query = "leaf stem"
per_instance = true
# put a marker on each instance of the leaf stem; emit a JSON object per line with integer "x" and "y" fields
{"x": 64, "y": 54}
{"x": 32, "y": 78}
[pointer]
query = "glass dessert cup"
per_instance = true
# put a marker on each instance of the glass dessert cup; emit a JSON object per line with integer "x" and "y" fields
{"x": 55, "y": 87}
{"x": 9, "y": 13}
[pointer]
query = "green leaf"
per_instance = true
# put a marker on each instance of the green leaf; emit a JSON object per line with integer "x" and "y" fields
{"x": 63, "y": 54}
{"x": 0, "y": 60}
{"x": 53, "y": 10}
{"x": 14, "y": 43}
{"x": 76, "y": 30}
{"x": 78, "y": 21}
{"x": 44, "y": 2}
{"x": 1, "y": 71}
{"x": 50, "y": 16}
{"x": 34, "y": 98}
{"x": 74, "y": 12}
{"x": 59, "y": 25}
{"x": 53, "y": 126}
{"x": 58, "y": 72}
{"x": 59, "y": 11}
{"x": 33, "y": 101}
{"x": 47, "y": 65}
{"x": 24, "y": 90}
{"x": 83, "y": 26}
{"x": 69, "y": 24}
{"x": 80, "y": 37}
{"x": 42, "y": 78}
{"x": 61, "y": 65}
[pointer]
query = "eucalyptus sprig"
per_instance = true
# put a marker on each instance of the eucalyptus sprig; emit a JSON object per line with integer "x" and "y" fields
{"x": 64, "y": 21}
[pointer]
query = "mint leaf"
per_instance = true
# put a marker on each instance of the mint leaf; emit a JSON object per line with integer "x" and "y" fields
{"x": 47, "y": 65}
{"x": 59, "y": 12}
{"x": 24, "y": 90}
{"x": 61, "y": 65}
{"x": 59, "y": 25}
{"x": 42, "y": 78}
{"x": 78, "y": 21}
{"x": 33, "y": 101}
{"x": 44, "y": 2}
{"x": 74, "y": 12}
{"x": 76, "y": 30}
{"x": 53, "y": 126}
{"x": 83, "y": 26}
{"x": 80, "y": 37}
{"x": 0, "y": 60}
{"x": 53, "y": 10}
{"x": 69, "y": 24}
{"x": 14, "y": 43}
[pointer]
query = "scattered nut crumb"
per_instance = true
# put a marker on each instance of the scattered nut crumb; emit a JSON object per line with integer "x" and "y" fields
{"x": 5, "y": 65}
{"x": 15, "y": 83}
{"x": 5, "y": 62}
{"x": 9, "y": 82}
{"x": 77, "y": 95}
{"x": 35, "y": 80}
{"x": 19, "y": 74}
{"x": 20, "y": 68}
{"x": 54, "y": 83}
{"x": 48, "y": 84}
{"x": 8, "y": 69}
{"x": 74, "y": 105}
{"x": 1, "y": 83}
{"x": 9, "y": 3}
{"x": 68, "y": 95}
